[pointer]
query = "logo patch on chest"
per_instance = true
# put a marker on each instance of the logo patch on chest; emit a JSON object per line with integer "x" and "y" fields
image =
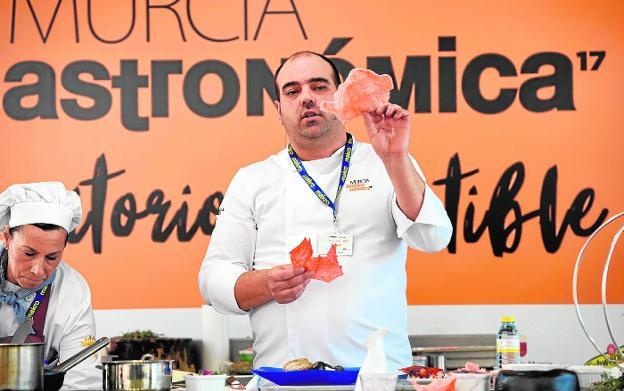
{"x": 359, "y": 184}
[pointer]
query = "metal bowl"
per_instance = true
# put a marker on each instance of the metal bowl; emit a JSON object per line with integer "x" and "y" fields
{"x": 144, "y": 374}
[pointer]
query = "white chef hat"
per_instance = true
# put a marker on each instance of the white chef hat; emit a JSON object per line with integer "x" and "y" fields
{"x": 43, "y": 202}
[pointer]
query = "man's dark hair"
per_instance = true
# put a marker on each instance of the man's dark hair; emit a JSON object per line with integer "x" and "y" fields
{"x": 336, "y": 74}
{"x": 43, "y": 226}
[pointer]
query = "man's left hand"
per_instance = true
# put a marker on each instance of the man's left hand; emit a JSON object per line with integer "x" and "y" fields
{"x": 388, "y": 130}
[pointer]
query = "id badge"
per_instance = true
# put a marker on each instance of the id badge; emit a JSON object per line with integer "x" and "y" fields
{"x": 343, "y": 242}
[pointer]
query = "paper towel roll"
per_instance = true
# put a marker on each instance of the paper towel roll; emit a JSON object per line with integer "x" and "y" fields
{"x": 215, "y": 338}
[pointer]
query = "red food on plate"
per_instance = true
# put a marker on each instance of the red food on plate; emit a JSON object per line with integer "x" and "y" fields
{"x": 422, "y": 372}
{"x": 471, "y": 367}
{"x": 325, "y": 268}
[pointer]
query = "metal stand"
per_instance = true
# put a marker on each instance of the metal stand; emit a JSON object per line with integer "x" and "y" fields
{"x": 605, "y": 274}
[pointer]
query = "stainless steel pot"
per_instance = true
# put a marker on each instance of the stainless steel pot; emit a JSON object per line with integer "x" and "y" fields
{"x": 21, "y": 366}
{"x": 144, "y": 374}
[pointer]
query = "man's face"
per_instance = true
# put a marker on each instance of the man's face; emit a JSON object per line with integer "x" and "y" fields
{"x": 304, "y": 82}
{"x": 34, "y": 254}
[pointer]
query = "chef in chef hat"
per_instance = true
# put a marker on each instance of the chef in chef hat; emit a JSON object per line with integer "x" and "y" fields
{"x": 35, "y": 219}
{"x": 35, "y": 222}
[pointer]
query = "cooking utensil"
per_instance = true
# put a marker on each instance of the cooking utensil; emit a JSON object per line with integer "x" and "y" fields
{"x": 21, "y": 366}
{"x": 53, "y": 378}
{"x": 22, "y": 331}
{"x": 144, "y": 374}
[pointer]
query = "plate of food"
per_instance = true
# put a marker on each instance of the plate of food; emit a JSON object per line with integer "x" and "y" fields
{"x": 302, "y": 372}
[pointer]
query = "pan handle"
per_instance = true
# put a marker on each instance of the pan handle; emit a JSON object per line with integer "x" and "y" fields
{"x": 81, "y": 355}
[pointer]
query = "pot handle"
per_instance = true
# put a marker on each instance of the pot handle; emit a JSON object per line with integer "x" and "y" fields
{"x": 81, "y": 355}
{"x": 147, "y": 357}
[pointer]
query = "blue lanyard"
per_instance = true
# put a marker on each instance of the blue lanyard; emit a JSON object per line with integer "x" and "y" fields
{"x": 34, "y": 306}
{"x": 344, "y": 170}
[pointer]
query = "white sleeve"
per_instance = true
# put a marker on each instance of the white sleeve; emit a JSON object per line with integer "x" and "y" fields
{"x": 432, "y": 229}
{"x": 231, "y": 249}
{"x": 78, "y": 330}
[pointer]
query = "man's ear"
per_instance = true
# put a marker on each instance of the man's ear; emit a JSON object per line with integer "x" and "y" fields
{"x": 278, "y": 108}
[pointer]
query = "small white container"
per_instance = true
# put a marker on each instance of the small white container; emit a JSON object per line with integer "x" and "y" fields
{"x": 205, "y": 382}
{"x": 472, "y": 381}
{"x": 589, "y": 374}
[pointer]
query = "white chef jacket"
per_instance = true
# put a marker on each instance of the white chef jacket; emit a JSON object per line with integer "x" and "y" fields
{"x": 268, "y": 210}
{"x": 69, "y": 323}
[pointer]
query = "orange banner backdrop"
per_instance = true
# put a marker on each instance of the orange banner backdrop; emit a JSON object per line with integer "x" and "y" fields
{"x": 148, "y": 109}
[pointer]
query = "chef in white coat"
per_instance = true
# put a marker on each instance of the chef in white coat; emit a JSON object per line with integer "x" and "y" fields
{"x": 35, "y": 221}
{"x": 371, "y": 199}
